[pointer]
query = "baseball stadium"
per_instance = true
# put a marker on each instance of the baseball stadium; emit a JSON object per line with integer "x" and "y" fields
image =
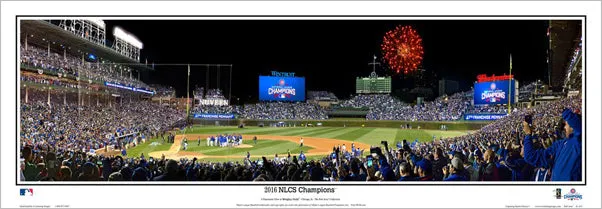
{"x": 97, "y": 104}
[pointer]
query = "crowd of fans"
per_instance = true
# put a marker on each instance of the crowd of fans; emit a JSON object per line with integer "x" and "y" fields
{"x": 441, "y": 109}
{"x": 379, "y": 106}
{"x": 281, "y": 111}
{"x": 164, "y": 91}
{"x": 74, "y": 66}
{"x": 372, "y": 100}
{"x": 495, "y": 109}
{"x": 215, "y": 93}
{"x": 199, "y": 92}
{"x": 497, "y": 145}
{"x": 217, "y": 109}
{"x": 525, "y": 93}
{"x": 55, "y": 141}
{"x": 444, "y": 108}
{"x": 59, "y": 127}
{"x": 386, "y": 107}
{"x": 321, "y": 96}
{"x": 268, "y": 111}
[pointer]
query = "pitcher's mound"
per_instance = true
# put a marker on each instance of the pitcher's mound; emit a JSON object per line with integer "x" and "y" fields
{"x": 244, "y": 146}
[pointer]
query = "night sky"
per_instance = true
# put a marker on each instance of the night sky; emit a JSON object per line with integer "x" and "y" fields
{"x": 330, "y": 54}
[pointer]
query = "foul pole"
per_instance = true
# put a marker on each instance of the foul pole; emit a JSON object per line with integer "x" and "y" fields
{"x": 188, "y": 93}
{"x": 510, "y": 95}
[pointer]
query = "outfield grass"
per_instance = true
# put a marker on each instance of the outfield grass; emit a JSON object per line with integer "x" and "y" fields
{"x": 146, "y": 148}
{"x": 368, "y": 135}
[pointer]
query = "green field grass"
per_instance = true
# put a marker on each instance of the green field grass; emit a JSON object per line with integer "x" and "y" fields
{"x": 368, "y": 135}
{"x": 147, "y": 147}
{"x": 263, "y": 147}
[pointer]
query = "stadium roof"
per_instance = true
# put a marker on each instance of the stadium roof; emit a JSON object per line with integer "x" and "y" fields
{"x": 43, "y": 30}
{"x": 565, "y": 34}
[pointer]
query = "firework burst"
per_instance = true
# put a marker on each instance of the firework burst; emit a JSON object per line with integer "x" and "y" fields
{"x": 402, "y": 49}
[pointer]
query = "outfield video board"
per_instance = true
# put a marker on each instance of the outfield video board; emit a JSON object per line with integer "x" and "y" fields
{"x": 274, "y": 88}
{"x": 495, "y": 92}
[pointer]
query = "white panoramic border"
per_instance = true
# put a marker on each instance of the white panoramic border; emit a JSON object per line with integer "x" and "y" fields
{"x": 223, "y": 196}
{"x": 325, "y": 18}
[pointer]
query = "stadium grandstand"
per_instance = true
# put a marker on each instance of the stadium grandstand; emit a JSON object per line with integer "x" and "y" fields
{"x": 164, "y": 95}
{"x": 322, "y": 96}
{"x": 83, "y": 107}
{"x": 87, "y": 90}
{"x": 163, "y": 91}
{"x": 574, "y": 67}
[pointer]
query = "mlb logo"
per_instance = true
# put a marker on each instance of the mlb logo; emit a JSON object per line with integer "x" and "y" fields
{"x": 26, "y": 192}
{"x": 492, "y": 100}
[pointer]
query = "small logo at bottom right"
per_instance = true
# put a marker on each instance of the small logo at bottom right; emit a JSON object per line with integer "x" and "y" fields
{"x": 573, "y": 195}
{"x": 558, "y": 193}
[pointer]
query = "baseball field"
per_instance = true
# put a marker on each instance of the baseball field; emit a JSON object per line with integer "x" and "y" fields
{"x": 318, "y": 141}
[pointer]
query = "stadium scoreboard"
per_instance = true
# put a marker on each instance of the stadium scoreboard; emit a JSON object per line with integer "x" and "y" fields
{"x": 282, "y": 86}
{"x": 372, "y": 85}
{"x": 495, "y": 92}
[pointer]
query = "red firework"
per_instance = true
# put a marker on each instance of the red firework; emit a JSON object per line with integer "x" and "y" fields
{"x": 402, "y": 49}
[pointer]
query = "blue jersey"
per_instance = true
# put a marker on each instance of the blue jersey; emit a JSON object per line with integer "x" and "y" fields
{"x": 563, "y": 157}
{"x": 302, "y": 157}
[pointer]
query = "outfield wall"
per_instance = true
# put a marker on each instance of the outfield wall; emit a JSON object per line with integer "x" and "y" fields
{"x": 433, "y": 125}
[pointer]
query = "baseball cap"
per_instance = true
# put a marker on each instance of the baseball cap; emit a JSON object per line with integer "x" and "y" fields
{"x": 424, "y": 164}
{"x": 88, "y": 168}
{"x": 573, "y": 119}
{"x": 139, "y": 175}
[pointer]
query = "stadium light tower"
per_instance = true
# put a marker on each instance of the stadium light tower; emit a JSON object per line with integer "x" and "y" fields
{"x": 91, "y": 29}
{"x": 127, "y": 44}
